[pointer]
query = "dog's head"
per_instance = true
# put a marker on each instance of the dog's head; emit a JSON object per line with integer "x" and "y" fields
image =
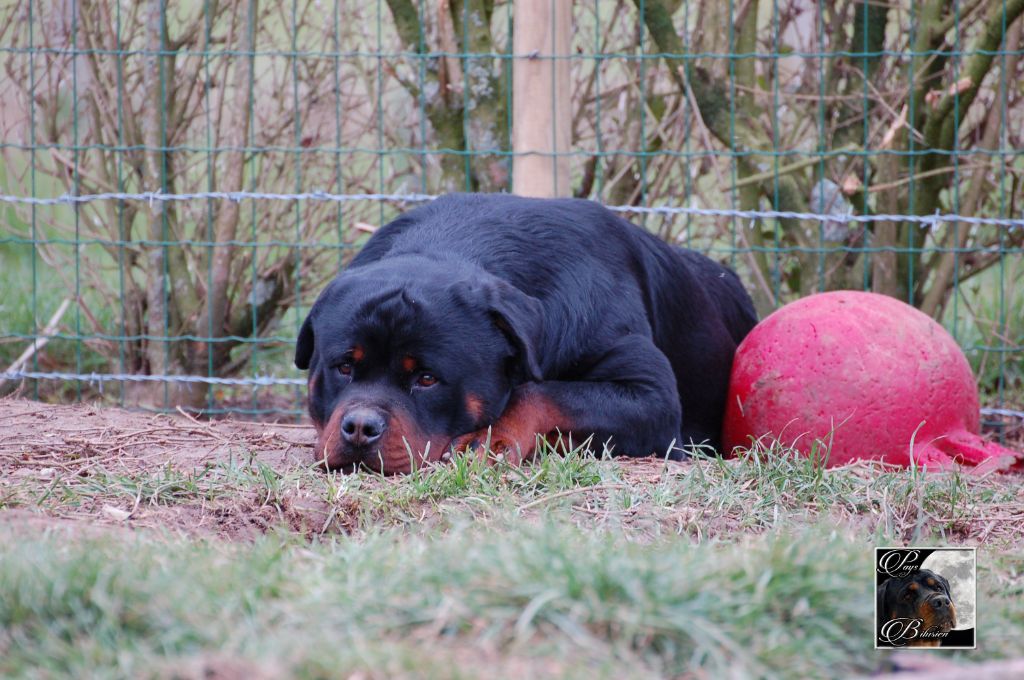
{"x": 922, "y": 595}
{"x": 406, "y": 353}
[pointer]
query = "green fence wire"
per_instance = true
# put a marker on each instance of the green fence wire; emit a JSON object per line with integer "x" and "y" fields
{"x": 181, "y": 179}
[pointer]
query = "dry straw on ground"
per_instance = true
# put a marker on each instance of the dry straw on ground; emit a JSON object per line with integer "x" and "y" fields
{"x": 237, "y": 480}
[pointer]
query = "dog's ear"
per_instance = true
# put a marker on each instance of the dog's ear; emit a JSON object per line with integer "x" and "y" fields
{"x": 520, "y": 317}
{"x": 304, "y": 345}
{"x": 881, "y": 596}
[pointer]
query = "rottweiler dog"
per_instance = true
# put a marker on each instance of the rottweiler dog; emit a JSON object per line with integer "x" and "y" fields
{"x": 491, "y": 319}
{"x": 922, "y": 596}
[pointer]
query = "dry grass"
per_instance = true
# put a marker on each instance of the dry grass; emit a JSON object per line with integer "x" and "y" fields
{"x": 237, "y": 480}
{"x": 574, "y": 565}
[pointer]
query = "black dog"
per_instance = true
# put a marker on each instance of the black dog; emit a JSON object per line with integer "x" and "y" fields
{"x": 525, "y": 316}
{"x": 922, "y": 596}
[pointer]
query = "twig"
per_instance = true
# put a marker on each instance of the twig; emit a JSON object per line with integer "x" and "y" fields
{"x": 570, "y": 492}
{"x": 983, "y": 518}
{"x": 205, "y": 427}
{"x": 792, "y": 167}
{"x": 39, "y": 341}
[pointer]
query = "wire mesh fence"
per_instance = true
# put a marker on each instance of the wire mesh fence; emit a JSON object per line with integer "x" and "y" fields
{"x": 179, "y": 180}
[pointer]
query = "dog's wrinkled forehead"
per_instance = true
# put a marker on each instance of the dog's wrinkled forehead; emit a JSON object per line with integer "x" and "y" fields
{"x": 469, "y": 325}
{"x": 356, "y": 309}
{"x": 400, "y": 315}
{"x": 392, "y": 311}
{"x": 923, "y": 583}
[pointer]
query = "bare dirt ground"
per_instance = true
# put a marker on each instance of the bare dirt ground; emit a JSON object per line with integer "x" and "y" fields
{"x": 103, "y": 466}
{"x": 42, "y": 444}
{"x": 76, "y": 437}
{"x": 106, "y": 465}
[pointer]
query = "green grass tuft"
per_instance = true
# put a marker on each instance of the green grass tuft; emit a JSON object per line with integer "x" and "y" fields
{"x": 791, "y": 605}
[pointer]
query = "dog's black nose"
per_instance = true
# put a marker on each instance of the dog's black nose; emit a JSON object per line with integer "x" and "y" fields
{"x": 363, "y": 426}
{"x": 940, "y": 602}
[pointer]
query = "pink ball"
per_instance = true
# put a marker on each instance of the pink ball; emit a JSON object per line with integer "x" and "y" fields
{"x": 871, "y": 370}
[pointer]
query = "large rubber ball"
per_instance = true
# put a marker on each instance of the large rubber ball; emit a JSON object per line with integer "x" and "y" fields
{"x": 863, "y": 372}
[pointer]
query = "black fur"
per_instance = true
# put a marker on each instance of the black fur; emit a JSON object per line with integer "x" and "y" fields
{"x": 895, "y": 599}
{"x": 630, "y": 338}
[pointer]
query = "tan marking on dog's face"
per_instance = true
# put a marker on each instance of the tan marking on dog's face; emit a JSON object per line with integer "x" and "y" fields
{"x": 474, "y": 407}
{"x": 941, "y": 619}
{"x": 932, "y": 618}
{"x": 515, "y": 433}
{"x": 403, "y": 448}
{"x": 328, "y": 440}
{"x": 406, "y": 447}
{"x": 408, "y": 364}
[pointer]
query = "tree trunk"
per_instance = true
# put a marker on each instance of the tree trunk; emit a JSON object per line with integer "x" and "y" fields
{"x": 213, "y": 321}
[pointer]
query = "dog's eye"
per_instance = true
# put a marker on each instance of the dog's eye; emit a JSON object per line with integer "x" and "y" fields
{"x": 345, "y": 368}
{"x": 426, "y": 380}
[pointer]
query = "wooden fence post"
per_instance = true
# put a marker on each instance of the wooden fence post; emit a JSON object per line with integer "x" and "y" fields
{"x": 541, "y": 97}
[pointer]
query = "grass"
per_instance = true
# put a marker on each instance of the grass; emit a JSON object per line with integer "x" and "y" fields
{"x": 772, "y": 486}
{"x": 547, "y": 597}
{"x": 575, "y": 566}
{"x": 990, "y": 328}
{"x": 27, "y": 313}
{"x": 566, "y": 599}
